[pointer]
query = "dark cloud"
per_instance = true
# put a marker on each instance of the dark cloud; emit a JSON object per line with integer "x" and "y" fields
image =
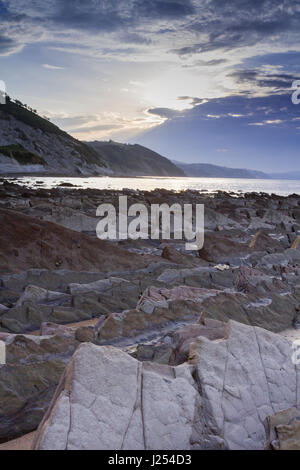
{"x": 194, "y": 101}
{"x": 164, "y": 112}
{"x": 134, "y": 38}
{"x": 238, "y": 23}
{"x": 113, "y": 16}
{"x": 256, "y": 79}
{"x": 7, "y": 45}
{"x": 224, "y": 25}
{"x": 105, "y": 16}
{"x": 212, "y": 62}
{"x": 169, "y": 9}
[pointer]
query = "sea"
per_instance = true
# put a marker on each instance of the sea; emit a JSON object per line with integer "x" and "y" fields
{"x": 236, "y": 185}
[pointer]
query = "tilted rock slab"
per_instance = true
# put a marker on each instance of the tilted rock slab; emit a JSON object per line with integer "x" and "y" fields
{"x": 108, "y": 400}
{"x": 156, "y": 308}
{"x": 159, "y": 307}
{"x": 39, "y": 295}
{"x": 244, "y": 379}
{"x": 97, "y": 286}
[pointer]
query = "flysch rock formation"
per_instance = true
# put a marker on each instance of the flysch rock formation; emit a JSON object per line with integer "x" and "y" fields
{"x": 151, "y": 300}
{"x": 108, "y": 400}
{"x": 219, "y": 400}
{"x": 27, "y": 242}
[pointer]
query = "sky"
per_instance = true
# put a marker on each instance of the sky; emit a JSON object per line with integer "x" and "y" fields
{"x": 197, "y": 80}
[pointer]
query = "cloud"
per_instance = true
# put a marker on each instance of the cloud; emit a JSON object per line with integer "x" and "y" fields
{"x": 100, "y": 127}
{"x": 194, "y": 101}
{"x": 134, "y": 38}
{"x": 210, "y": 63}
{"x": 218, "y": 49}
{"x": 236, "y": 115}
{"x": 269, "y": 121}
{"x": 193, "y": 26}
{"x": 258, "y": 78}
{"x": 66, "y": 22}
{"x": 9, "y": 46}
{"x": 53, "y": 67}
{"x": 168, "y": 9}
{"x": 164, "y": 112}
{"x": 241, "y": 23}
{"x": 68, "y": 122}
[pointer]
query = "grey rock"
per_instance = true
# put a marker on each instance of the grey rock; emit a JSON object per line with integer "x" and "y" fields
{"x": 97, "y": 286}
{"x": 39, "y": 295}
{"x": 244, "y": 378}
{"x": 117, "y": 402}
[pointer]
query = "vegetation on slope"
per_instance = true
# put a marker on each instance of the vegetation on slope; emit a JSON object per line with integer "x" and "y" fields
{"x": 21, "y": 155}
{"x": 29, "y": 117}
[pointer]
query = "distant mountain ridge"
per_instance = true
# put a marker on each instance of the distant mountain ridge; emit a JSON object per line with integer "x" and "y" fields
{"x": 126, "y": 160}
{"x": 30, "y": 144}
{"x": 207, "y": 170}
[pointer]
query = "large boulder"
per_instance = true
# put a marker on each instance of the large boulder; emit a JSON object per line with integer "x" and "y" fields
{"x": 222, "y": 250}
{"x": 261, "y": 241}
{"x": 107, "y": 400}
{"x": 276, "y": 312}
{"x": 29, "y": 316}
{"x": 244, "y": 378}
{"x": 39, "y": 295}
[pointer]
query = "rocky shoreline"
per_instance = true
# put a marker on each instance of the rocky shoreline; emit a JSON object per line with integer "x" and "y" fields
{"x": 144, "y": 344}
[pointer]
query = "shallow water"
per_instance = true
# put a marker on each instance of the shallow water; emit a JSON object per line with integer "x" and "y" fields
{"x": 280, "y": 187}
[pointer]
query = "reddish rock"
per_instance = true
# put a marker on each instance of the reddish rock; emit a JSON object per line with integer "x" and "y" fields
{"x": 183, "y": 337}
{"x": 171, "y": 254}
{"x": 219, "y": 249}
{"x": 244, "y": 278}
{"x": 27, "y": 242}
